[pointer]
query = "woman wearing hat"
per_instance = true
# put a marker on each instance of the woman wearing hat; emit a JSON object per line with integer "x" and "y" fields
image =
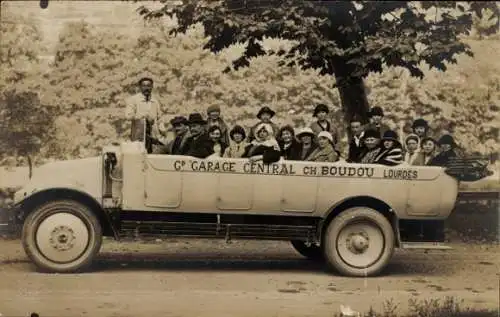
{"x": 325, "y": 152}
{"x": 372, "y": 149}
{"x": 264, "y": 148}
{"x": 428, "y": 149}
{"x": 322, "y": 124}
{"x": 448, "y": 151}
{"x": 420, "y": 127}
{"x": 237, "y": 144}
{"x": 215, "y": 119}
{"x": 307, "y": 146}
{"x": 412, "y": 142}
{"x": 264, "y": 115}
{"x": 392, "y": 151}
{"x": 290, "y": 147}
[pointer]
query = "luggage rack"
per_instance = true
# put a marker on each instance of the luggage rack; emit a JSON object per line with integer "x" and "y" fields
{"x": 469, "y": 169}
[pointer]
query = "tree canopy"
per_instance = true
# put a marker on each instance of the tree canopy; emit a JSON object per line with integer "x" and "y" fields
{"x": 346, "y": 39}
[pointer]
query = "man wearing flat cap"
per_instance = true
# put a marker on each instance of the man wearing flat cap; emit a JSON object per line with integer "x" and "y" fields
{"x": 178, "y": 146}
{"x": 376, "y": 115}
{"x": 215, "y": 119}
{"x": 264, "y": 115}
{"x": 198, "y": 144}
{"x": 144, "y": 106}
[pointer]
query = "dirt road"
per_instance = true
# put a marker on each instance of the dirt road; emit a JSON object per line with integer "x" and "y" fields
{"x": 211, "y": 278}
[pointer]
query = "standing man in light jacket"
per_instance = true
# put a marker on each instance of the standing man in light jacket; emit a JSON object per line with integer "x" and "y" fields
{"x": 145, "y": 106}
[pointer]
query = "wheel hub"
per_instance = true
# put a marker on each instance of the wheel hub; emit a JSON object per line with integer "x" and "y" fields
{"x": 358, "y": 242}
{"x": 62, "y": 238}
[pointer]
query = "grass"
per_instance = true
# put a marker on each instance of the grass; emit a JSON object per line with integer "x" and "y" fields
{"x": 450, "y": 307}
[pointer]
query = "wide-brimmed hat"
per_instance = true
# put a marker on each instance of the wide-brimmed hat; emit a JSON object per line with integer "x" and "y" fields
{"x": 196, "y": 118}
{"x": 447, "y": 139}
{"x": 319, "y": 108}
{"x": 326, "y": 134}
{"x": 376, "y": 111}
{"x": 420, "y": 123}
{"x": 305, "y": 131}
{"x": 265, "y": 109}
{"x": 179, "y": 120}
{"x": 237, "y": 129}
{"x": 143, "y": 79}
{"x": 390, "y": 136}
{"x": 213, "y": 108}
{"x": 371, "y": 133}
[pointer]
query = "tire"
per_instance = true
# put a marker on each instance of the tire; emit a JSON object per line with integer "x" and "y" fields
{"x": 62, "y": 237}
{"x": 312, "y": 252}
{"x": 358, "y": 256}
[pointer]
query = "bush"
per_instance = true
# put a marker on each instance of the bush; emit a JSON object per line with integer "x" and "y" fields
{"x": 450, "y": 307}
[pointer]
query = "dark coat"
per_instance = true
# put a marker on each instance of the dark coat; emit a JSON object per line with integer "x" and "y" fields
{"x": 179, "y": 145}
{"x": 270, "y": 155}
{"x": 291, "y": 153}
{"x": 305, "y": 156}
{"x": 443, "y": 158}
{"x": 370, "y": 156}
{"x": 200, "y": 147}
{"x": 355, "y": 151}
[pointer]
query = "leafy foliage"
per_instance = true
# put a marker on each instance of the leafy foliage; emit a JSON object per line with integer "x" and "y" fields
{"x": 345, "y": 38}
{"x": 25, "y": 124}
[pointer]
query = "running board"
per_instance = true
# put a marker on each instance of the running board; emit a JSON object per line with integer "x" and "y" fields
{"x": 425, "y": 245}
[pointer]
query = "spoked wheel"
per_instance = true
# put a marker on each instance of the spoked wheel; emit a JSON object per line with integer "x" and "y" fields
{"x": 312, "y": 252}
{"x": 359, "y": 242}
{"x": 62, "y": 236}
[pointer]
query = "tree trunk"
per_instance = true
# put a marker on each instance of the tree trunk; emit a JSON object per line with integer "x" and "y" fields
{"x": 354, "y": 99}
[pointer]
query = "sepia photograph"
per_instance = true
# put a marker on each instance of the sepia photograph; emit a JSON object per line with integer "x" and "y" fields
{"x": 247, "y": 158}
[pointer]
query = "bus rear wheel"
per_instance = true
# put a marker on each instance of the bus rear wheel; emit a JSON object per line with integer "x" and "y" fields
{"x": 359, "y": 242}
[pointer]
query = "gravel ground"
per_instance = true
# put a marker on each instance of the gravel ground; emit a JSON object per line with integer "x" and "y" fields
{"x": 246, "y": 278}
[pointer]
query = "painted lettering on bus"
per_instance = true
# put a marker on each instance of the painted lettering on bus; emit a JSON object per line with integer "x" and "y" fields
{"x": 273, "y": 169}
{"x": 401, "y": 174}
{"x": 347, "y": 171}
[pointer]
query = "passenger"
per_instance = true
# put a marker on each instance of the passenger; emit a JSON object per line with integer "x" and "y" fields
{"x": 237, "y": 144}
{"x": 412, "y": 142}
{"x": 145, "y": 106}
{"x": 265, "y": 115}
{"x": 448, "y": 150}
{"x": 420, "y": 127}
{"x": 427, "y": 152}
{"x": 356, "y": 144}
{"x": 307, "y": 146}
{"x": 322, "y": 123}
{"x": 264, "y": 148}
{"x": 392, "y": 150}
{"x": 375, "y": 115}
{"x": 215, "y": 119}
{"x": 325, "y": 152}
{"x": 290, "y": 148}
{"x": 198, "y": 143}
{"x": 372, "y": 149}
{"x": 218, "y": 146}
{"x": 178, "y": 146}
